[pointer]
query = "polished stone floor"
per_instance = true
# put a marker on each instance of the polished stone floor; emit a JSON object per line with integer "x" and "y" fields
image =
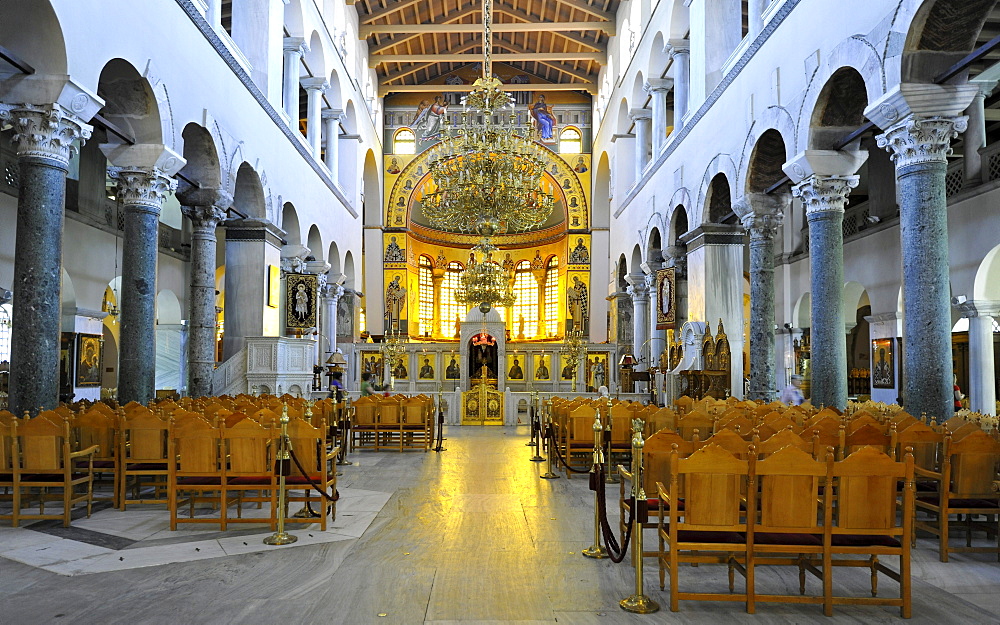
{"x": 468, "y": 535}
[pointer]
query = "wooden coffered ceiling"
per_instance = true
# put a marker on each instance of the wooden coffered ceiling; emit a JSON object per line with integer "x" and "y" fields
{"x": 413, "y": 42}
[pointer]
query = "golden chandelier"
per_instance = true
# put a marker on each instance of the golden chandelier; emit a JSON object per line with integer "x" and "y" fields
{"x": 486, "y": 174}
{"x": 485, "y": 283}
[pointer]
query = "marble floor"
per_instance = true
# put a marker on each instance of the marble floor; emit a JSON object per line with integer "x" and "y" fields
{"x": 467, "y": 535}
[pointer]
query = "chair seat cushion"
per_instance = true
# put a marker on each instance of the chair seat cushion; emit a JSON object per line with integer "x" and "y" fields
{"x": 98, "y": 464}
{"x": 301, "y": 479}
{"x": 934, "y": 500}
{"x": 783, "y": 538}
{"x": 146, "y": 466}
{"x": 51, "y": 477}
{"x": 863, "y": 540}
{"x": 249, "y": 480}
{"x": 699, "y": 536}
{"x": 199, "y": 480}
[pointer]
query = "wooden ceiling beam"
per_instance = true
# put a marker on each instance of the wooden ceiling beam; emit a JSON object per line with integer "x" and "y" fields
{"x": 536, "y": 26}
{"x": 416, "y": 67}
{"x": 583, "y": 5}
{"x": 564, "y": 86}
{"x": 503, "y": 57}
{"x": 393, "y": 6}
{"x": 560, "y": 67}
{"x": 420, "y": 29}
{"x": 523, "y": 27}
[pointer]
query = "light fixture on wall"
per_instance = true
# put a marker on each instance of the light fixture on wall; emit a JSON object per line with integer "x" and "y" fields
{"x": 111, "y": 306}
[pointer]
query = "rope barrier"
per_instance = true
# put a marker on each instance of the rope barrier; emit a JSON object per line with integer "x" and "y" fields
{"x": 562, "y": 461}
{"x": 616, "y": 552}
{"x": 284, "y": 469}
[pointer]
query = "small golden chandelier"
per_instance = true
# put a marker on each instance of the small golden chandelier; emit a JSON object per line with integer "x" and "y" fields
{"x": 484, "y": 171}
{"x": 485, "y": 283}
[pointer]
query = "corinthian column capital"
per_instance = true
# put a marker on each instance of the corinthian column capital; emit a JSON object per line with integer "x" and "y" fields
{"x": 142, "y": 188}
{"x": 823, "y": 195}
{"x": 45, "y": 131}
{"x": 918, "y": 140}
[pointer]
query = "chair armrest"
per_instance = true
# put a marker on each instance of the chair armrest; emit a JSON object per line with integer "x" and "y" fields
{"x": 85, "y": 452}
{"x": 928, "y": 473}
{"x": 625, "y": 473}
{"x": 333, "y": 453}
{"x": 662, "y": 495}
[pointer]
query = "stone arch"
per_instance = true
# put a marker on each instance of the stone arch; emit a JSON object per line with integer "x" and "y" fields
{"x": 654, "y": 244}
{"x": 764, "y": 168}
{"x": 349, "y": 270}
{"x": 203, "y": 166}
{"x": 67, "y": 292}
{"x": 775, "y": 118}
{"x": 315, "y": 57}
{"x": 333, "y": 257}
{"x": 987, "y": 281}
{"x": 838, "y": 109}
{"x": 940, "y": 33}
{"x": 168, "y": 308}
{"x": 290, "y": 224}
{"x": 350, "y": 119}
{"x": 314, "y": 241}
{"x": 656, "y": 65}
{"x": 624, "y": 122}
{"x": 680, "y": 19}
{"x": 293, "y": 20}
{"x": 621, "y": 270}
{"x": 334, "y": 93}
{"x": 854, "y": 292}
{"x": 638, "y": 97}
{"x": 635, "y": 265}
{"x": 371, "y": 190}
{"x": 602, "y": 193}
{"x": 679, "y": 224}
{"x": 801, "y": 312}
{"x": 718, "y": 205}
{"x": 130, "y": 104}
{"x": 721, "y": 164}
{"x": 248, "y": 197}
{"x": 42, "y": 45}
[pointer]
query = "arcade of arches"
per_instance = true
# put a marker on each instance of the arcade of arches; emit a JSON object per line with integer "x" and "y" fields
{"x": 748, "y": 195}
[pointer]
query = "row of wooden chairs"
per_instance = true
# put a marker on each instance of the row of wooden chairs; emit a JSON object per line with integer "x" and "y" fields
{"x": 786, "y": 509}
{"x": 396, "y": 422}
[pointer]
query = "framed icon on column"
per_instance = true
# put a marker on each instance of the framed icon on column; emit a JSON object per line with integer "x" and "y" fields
{"x": 883, "y": 365}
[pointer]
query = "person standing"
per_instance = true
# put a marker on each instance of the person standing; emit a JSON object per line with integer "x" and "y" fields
{"x": 792, "y": 395}
{"x": 959, "y": 395}
{"x": 368, "y": 387}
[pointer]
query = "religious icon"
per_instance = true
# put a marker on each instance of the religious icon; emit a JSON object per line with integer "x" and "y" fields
{"x": 393, "y": 167}
{"x": 371, "y": 362}
{"x": 401, "y": 202}
{"x": 300, "y": 301}
{"x": 577, "y": 303}
{"x": 665, "y": 314}
{"x": 580, "y": 255}
{"x": 452, "y": 372}
{"x": 408, "y": 185}
{"x": 555, "y": 169}
{"x": 581, "y": 166}
{"x": 566, "y": 183}
{"x": 399, "y": 371}
{"x": 597, "y": 370}
{"x": 427, "y": 370}
{"x": 883, "y": 374}
{"x": 541, "y": 371}
{"x": 395, "y": 301}
{"x": 545, "y": 120}
{"x": 88, "y": 359}
{"x": 393, "y": 253}
{"x": 420, "y": 170}
{"x": 428, "y": 119}
{"x": 573, "y": 203}
{"x": 515, "y": 372}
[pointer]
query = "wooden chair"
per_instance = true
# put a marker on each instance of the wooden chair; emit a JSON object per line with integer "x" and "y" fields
{"x": 710, "y": 527}
{"x": 416, "y": 424}
{"x": 784, "y": 528}
{"x": 43, "y": 459}
{"x": 95, "y": 427}
{"x": 7, "y": 463}
{"x": 364, "y": 424}
{"x": 249, "y": 449}
{"x": 964, "y": 486}
{"x": 309, "y": 446}
{"x": 580, "y": 443}
{"x": 695, "y": 420}
{"x": 780, "y": 440}
{"x": 142, "y": 454}
{"x": 194, "y": 469}
{"x": 864, "y": 522}
{"x": 867, "y": 435}
{"x": 390, "y": 424}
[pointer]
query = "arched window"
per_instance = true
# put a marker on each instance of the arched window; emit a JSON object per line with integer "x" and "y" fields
{"x": 570, "y": 141}
{"x": 526, "y": 302}
{"x": 404, "y": 142}
{"x": 450, "y": 309}
{"x": 552, "y": 296}
{"x": 426, "y": 287}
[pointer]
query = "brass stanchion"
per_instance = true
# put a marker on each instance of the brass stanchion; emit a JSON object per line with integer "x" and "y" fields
{"x": 638, "y": 603}
{"x": 610, "y": 477}
{"x": 281, "y": 537}
{"x": 344, "y": 425}
{"x": 548, "y": 435}
{"x": 531, "y": 421}
{"x": 536, "y": 429}
{"x": 596, "y": 551}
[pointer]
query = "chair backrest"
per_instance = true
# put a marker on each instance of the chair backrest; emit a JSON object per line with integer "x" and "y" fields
{"x": 581, "y": 425}
{"x": 789, "y": 489}
{"x": 195, "y": 444}
{"x": 866, "y": 489}
{"x": 389, "y": 413}
{"x": 713, "y": 480}
{"x": 731, "y": 442}
{"x": 867, "y": 435}
{"x": 143, "y": 438}
{"x": 782, "y": 439}
{"x": 662, "y": 418}
{"x": 365, "y": 413}
{"x": 415, "y": 411}
{"x": 41, "y": 444}
{"x": 974, "y": 460}
{"x": 246, "y": 445}
{"x": 925, "y": 442}
{"x": 94, "y": 427}
{"x": 307, "y": 444}
{"x": 695, "y": 420}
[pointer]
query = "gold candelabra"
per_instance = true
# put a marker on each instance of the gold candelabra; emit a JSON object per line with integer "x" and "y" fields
{"x": 574, "y": 349}
{"x": 392, "y": 348}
